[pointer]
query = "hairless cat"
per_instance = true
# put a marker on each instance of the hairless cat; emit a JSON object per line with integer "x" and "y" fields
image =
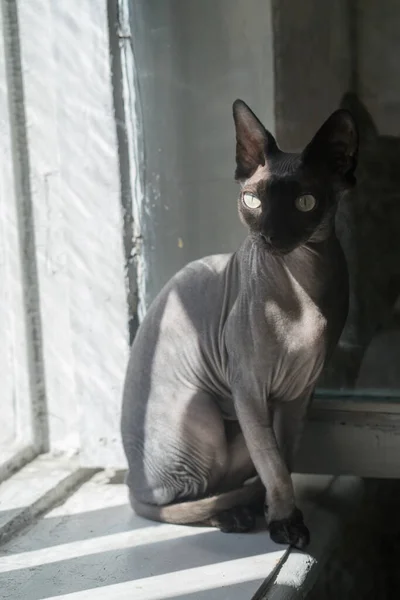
{"x": 226, "y": 360}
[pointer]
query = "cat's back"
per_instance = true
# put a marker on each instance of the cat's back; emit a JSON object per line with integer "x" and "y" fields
{"x": 180, "y": 336}
{"x": 189, "y": 295}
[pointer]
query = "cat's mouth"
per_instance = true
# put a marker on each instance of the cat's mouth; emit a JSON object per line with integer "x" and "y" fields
{"x": 270, "y": 246}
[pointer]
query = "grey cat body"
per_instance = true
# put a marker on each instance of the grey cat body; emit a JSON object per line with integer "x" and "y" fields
{"x": 221, "y": 373}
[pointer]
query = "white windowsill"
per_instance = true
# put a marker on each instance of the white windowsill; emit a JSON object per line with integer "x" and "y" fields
{"x": 91, "y": 546}
{"x": 352, "y": 436}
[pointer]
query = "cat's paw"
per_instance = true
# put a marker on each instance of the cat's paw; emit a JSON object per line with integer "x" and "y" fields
{"x": 235, "y": 520}
{"x": 290, "y": 531}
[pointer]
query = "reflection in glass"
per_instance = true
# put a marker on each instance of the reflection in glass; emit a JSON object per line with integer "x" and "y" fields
{"x": 367, "y": 358}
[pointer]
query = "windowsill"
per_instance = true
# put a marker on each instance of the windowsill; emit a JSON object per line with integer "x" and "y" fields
{"x": 357, "y": 436}
{"x": 92, "y": 545}
{"x": 14, "y": 457}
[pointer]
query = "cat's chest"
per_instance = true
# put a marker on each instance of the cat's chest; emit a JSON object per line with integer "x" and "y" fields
{"x": 293, "y": 345}
{"x": 289, "y": 333}
{"x": 294, "y": 329}
{"x": 285, "y": 301}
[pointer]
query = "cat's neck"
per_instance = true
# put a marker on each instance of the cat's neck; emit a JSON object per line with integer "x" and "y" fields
{"x": 314, "y": 265}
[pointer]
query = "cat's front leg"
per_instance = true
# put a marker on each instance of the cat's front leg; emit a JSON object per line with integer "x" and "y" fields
{"x": 285, "y": 520}
{"x": 289, "y": 419}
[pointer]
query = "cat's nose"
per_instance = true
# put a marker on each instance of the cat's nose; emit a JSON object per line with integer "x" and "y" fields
{"x": 269, "y": 239}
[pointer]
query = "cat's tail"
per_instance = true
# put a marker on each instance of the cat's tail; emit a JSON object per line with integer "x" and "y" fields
{"x": 196, "y": 511}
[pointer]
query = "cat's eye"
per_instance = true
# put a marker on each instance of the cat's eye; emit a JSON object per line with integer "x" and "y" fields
{"x": 305, "y": 203}
{"x": 251, "y": 201}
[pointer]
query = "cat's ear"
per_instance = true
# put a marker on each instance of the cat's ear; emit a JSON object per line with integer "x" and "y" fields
{"x": 253, "y": 142}
{"x": 335, "y": 147}
{"x": 365, "y": 123}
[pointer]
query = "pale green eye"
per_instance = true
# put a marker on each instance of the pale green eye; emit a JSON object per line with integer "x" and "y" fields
{"x": 251, "y": 201}
{"x": 306, "y": 203}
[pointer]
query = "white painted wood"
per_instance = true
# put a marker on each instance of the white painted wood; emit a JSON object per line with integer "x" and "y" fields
{"x": 78, "y": 222}
{"x": 133, "y": 148}
{"x": 357, "y": 437}
{"x": 14, "y": 458}
{"x": 93, "y": 546}
{"x": 15, "y": 392}
{"x": 325, "y": 515}
{"x": 38, "y": 35}
{"x": 8, "y": 432}
{"x": 34, "y": 489}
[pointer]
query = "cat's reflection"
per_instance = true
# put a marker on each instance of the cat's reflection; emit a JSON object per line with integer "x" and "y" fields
{"x": 368, "y": 225}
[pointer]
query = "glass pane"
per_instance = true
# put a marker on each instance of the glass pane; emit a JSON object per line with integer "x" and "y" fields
{"x": 193, "y": 59}
{"x": 350, "y": 60}
{"x": 294, "y": 63}
{"x": 367, "y": 359}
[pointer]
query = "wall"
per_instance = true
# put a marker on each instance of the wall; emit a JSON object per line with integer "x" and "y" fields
{"x": 64, "y": 259}
{"x": 16, "y": 393}
{"x": 312, "y": 66}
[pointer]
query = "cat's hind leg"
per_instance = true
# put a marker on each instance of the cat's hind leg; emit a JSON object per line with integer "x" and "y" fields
{"x": 239, "y": 468}
{"x": 191, "y": 467}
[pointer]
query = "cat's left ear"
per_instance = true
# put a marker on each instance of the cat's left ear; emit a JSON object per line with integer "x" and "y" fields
{"x": 335, "y": 147}
{"x": 253, "y": 142}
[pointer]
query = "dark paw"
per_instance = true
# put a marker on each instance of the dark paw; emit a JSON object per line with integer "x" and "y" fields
{"x": 259, "y": 508}
{"x": 235, "y": 520}
{"x": 290, "y": 531}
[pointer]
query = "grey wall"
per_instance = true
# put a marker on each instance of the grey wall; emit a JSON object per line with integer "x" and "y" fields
{"x": 378, "y": 62}
{"x": 323, "y": 49}
{"x": 193, "y": 59}
{"x": 313, "y": 65}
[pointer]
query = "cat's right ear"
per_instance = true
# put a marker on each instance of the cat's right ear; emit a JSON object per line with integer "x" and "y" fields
{"x": 365, "y": 123}
{"x": 335, "y": 147}
{"x": 253, "y": 142}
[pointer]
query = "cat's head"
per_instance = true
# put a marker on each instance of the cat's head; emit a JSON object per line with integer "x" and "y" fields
{"x": 287, "y": 200}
